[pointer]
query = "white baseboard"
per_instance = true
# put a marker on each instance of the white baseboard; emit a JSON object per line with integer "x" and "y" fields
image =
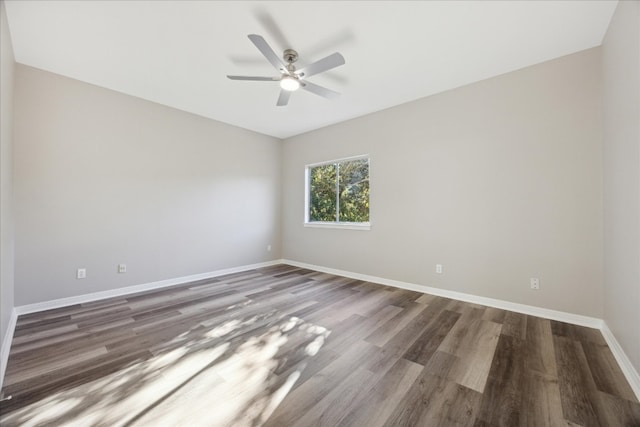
{"x": 6, "y": 344}
{"x": 576, "y": 319}
{"x": 621, "y": 357}
{"x": 80, "y": 299}
{"x": 591, "y": 322}
{"x": 625, "y": 364}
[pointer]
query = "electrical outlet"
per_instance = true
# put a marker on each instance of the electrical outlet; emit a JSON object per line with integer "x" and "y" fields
{"x": 81, "y": 273}
{"x": 535, "y": 283}
{"x": 122, "y": 268}
{"x": 268, "y": 248}
{"x": 439, "y": 268}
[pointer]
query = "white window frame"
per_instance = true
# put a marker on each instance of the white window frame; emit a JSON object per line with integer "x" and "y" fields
{"x": 334, "y": 224}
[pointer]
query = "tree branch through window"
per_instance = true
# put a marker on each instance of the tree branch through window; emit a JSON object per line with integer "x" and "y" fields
{"x": 338, "y": 192}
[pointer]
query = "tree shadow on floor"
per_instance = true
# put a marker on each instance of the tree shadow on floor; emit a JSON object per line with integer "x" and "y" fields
{"x": 230, "y": 372}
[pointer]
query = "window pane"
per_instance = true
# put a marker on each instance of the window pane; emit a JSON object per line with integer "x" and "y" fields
{"x": 322, "y": 194}
{"x": 354, "y": 191}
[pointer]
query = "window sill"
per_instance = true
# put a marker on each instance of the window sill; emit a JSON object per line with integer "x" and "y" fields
{"x": 364, "y": 226}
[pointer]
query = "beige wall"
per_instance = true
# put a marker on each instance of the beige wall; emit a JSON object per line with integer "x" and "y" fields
{"x": 621, "y": 77}
{"x": 6, "y": 197}
{"x": 103, "y": 178}
{"x": 499, "y": 181}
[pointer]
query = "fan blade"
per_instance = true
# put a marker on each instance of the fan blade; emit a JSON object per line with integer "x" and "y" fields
{"x": 319, "y": 90}
{"x": 283, "y": 99}
{"x": 266, "y": 79}
{"x": 332, "y": 61}
{"x": 268, "y": 53}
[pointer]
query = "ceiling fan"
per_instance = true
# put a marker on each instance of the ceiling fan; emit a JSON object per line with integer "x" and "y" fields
{"x": 290, "y": 78}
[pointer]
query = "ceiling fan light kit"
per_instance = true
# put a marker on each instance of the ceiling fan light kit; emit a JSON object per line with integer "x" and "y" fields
{"x": 290, "y": 78}
{"x": 289, "y": 83}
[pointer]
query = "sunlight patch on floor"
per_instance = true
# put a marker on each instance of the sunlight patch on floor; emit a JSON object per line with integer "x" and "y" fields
{"x": 222, "y": 375}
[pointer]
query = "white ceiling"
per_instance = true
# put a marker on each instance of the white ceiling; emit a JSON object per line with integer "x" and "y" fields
{"x": 177, "y": 53}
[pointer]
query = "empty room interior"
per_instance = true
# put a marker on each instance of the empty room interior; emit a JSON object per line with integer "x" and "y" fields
{"x": 318, "y": 213}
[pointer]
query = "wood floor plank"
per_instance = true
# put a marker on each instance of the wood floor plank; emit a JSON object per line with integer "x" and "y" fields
{"x": 577, "y": 333}
{"x": 359, "y": 326}
{"x": 441, "y": 364}
{"x": 541, "y": 402}
{"x": 31, "y": 391}
{"x": 457, "y": 405}
{"x": 387, "y": 394}
{"x": 417, "y": 401}
{"x": 401, "y": 342}
{"x": 515, "y": 325}
{"x": 44, "y": 333}
{"x": 606, "y": 372}
{"x": 403, "y": 298}
{"x": 431, "y": 338}
{"x": 601, "y": 402}
{"x": 436, "y": 401}
{"x": 577, "y": 407}
{"x": 617, "y": 411}
{"x": 285, "y": 346}
{"x": 37, "y": 370}
{"x": 308, "y": 394}
{"x": 312, "y": 367}
{"x": 540, "y": 353}
{"x": 426, "y": 299}
{"x": 494, "y": 315}
{"x": 385, "y": 332}
{"x": 473, "y": 342}
{"x": 502, "y": 396}
{"x": 337, "y": 403}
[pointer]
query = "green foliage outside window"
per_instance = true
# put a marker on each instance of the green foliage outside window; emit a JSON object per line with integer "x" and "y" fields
{"x": 339, "y": 192}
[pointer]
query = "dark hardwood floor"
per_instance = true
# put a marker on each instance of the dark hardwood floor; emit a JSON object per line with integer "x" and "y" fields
{"x": 284, "y": 346}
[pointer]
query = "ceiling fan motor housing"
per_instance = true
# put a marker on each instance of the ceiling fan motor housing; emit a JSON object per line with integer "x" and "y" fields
{"x": 290, "y": 56}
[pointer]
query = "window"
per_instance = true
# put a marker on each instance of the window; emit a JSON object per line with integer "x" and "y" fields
{"x": 337, "y": 193}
